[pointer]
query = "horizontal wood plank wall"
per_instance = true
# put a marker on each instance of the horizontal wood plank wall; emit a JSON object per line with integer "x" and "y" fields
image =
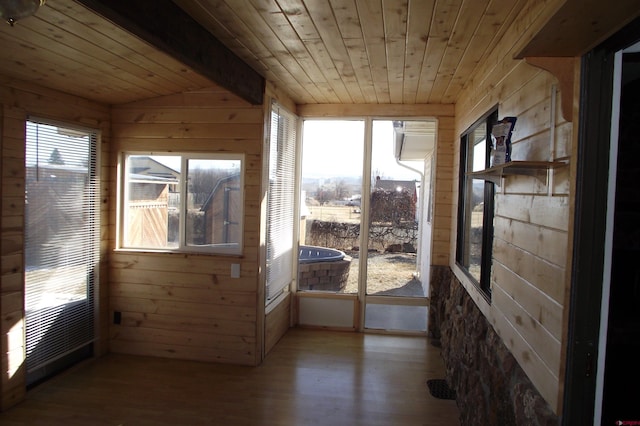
{"x": 18, "y": 101}
{"x": 187, "y": 305}
{"x": 530, "y": 247}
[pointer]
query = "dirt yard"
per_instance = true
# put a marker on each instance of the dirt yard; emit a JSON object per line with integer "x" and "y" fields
{"x": 390, "y": 274}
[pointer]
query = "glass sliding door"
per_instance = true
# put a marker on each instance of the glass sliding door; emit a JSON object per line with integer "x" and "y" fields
{"x": 362, "y": 220}
{"x": 61, "y": 246}
{"x": 395, "y": 294}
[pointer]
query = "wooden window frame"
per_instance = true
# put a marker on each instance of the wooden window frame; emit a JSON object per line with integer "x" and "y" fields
{"x": 181, "y": 185}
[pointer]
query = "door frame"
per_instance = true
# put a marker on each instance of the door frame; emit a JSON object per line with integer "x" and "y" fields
{"x": 365, "y": 299}
{"x": 593, "y": 151}
{"x": 360, "y": 299}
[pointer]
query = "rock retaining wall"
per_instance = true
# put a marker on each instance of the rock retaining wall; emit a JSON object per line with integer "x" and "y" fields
{"x": 324, "y": 276}
{"x": 491, "y": 387}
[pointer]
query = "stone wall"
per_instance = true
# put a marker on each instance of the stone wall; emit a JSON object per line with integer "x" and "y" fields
{"x": 324, "y": 276}
{"x": 491, "y": 387}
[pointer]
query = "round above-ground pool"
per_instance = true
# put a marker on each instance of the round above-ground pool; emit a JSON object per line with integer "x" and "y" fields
{"x": 310, "y": 254}
{"x": 322, "y": 269}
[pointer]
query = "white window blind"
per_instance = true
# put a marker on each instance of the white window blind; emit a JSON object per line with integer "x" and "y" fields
{"x": 281, "y": 201}
{"x": 61, "y": 241}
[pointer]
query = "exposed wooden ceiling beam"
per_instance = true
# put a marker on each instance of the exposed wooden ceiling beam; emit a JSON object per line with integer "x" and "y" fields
{"x": 167, "y": 27}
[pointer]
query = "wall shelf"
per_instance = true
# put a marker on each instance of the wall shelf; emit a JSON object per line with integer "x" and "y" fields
{"x": 537, "y": 169}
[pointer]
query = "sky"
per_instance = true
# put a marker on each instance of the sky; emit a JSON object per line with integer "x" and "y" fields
{"x": 336, "y": 148}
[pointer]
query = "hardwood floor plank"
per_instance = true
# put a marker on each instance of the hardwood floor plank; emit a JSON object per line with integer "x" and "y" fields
{"x": 312, "y": 377}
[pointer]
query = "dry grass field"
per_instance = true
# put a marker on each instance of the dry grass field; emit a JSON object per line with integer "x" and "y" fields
{"x": 342, "y": 214}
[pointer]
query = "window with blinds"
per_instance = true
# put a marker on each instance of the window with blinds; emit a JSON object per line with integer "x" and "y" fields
{"x": 280, "y": 201}
{"x": 61, "y": 245}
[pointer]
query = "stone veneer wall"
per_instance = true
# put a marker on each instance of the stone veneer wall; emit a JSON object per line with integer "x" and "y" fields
{"x": 491, "y": 387}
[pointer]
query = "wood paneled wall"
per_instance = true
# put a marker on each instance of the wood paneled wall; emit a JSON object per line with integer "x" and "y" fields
{"x": 187, "y": 305}
{"x": 18, "y": 101}
{"x": 277, "y": 322}
{"x": 531, "y": 249}
{"x": 443, "y": 216}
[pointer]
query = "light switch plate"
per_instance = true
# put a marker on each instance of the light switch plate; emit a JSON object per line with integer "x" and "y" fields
{"x": 235, "y": 270}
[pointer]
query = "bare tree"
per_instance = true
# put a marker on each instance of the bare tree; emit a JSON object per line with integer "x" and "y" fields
{"x": 323, "y": 196}
{"x": 202, "y": 182}
{"x": 392, "y": 207}
{"x": 342, "y": 191}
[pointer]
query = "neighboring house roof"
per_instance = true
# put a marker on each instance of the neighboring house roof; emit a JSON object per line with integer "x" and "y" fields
{"x": 142, "y": 165}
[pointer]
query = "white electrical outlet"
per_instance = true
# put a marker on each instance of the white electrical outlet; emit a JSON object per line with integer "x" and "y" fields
{"x": 235, "y": 270}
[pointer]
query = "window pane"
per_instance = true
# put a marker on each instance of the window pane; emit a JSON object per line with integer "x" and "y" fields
{"x": 281, "y": 201}
{"x": 392, "y": 242}
{"x": 475, "y": 203}
{"x": 183, "y": 202}
{"x": 152, "y": 213}
{"x": 214, "y": 202}
{"x": 332, "y": 157}
{"x": 475, "y": 218}
{"x": 478, "y": 152}
{"x": 62, "y": 241}
{"x": 475, "y": 214}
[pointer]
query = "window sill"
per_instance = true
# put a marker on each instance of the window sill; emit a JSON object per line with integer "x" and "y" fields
{"x": 176, "y": 252}
{"x": 478, "y": 296}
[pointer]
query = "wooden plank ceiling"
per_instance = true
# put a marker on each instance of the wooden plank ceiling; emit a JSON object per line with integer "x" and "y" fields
{"x": 69, "y": 48}
{"x": 319, "y": 51}
{"x": 359, "y": 51}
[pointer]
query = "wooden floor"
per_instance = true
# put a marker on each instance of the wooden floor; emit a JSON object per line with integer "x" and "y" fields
{"x": 311, "y": 377}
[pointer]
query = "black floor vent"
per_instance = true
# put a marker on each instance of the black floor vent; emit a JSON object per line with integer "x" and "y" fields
{"x": 440, "y": 389}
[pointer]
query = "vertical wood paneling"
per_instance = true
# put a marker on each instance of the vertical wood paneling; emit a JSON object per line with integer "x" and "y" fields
{"x": 17, "y": 102}
{"x": 531, "y": 247}
{"x": 277, "y": 323}
{"x": 187, "y": 305}
{"x": 12, "y": 345}
{"x": 444, "y": 186}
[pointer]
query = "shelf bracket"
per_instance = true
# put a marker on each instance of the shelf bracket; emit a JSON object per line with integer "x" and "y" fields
{"x": 563, "y": 68}
{"x": 540, "y": 174}
{"x": 492, "y": 177}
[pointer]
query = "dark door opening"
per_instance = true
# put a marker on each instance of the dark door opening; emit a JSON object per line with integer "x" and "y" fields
{"x": 600, "y": 377}
{"x": 622, "y": 372}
